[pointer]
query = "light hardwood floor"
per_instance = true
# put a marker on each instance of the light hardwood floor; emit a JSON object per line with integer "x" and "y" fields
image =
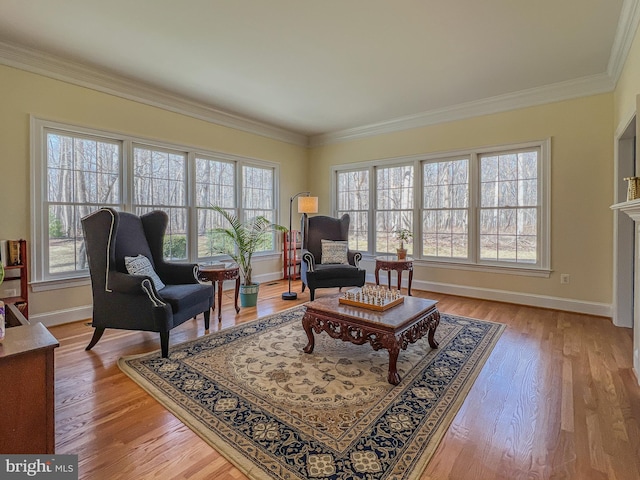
{"x": 557, "y": 399}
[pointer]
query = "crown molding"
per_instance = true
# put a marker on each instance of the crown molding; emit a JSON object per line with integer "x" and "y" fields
{"x": 52, "y": 66}
{"x": 625, "y": 33}
{"x": 75, "y": 73}
{"x": 580, "y": 87}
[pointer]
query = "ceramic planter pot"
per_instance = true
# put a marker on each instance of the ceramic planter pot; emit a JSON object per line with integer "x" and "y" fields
{"x": 249, "y": 295}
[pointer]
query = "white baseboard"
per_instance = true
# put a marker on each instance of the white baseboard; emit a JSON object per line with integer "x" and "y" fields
{"x": 59, "y": 317}
{"x": 529, "y": 299}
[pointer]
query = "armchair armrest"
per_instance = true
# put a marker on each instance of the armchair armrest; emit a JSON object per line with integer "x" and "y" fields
{"x": 309, "y": 259}
{"x": 134, "y": 285}
{"x": 354, "y": 257}
{"x": 125, "y": 283}
{"x": 177, "y": 273}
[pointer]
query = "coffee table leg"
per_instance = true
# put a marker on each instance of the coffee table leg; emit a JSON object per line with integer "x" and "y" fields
{"x": 306, "y": 324}
{"x": 432, "y": 331}
{"x": 393, "y": 377}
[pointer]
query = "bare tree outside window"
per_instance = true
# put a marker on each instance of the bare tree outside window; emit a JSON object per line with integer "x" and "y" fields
{"x": 353, "y": 198}
{"x": 445, "y": 214}
{"x": 82, "y": 175}
{"x": 394, "y": 206}
{"x": 215, "y": 186}
{"x": 159, "y": 183}
{"x": 258, "y": 198}
{"x": 490, "y": 207}
{"x": 509, "y": 207}
{"x": 79, "y": 170}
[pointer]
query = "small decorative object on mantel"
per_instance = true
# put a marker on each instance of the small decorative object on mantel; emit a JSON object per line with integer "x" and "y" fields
{"x": 633, "y": 190}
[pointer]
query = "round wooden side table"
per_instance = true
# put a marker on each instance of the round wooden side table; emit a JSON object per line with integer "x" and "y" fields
{"x": 391, "y": 262}
{"x": 213, "y": 275}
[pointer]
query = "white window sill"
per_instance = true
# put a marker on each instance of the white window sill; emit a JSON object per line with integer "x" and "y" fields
{"x": 46, "y": 285}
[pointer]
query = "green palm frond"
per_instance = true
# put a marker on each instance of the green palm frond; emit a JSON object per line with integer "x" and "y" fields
{"x": 247, "y": 237}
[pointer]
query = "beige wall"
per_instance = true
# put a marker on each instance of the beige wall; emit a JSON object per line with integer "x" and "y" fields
{"x": 582, "y": 169}
{"x": 628, "y": 86}
{"x": 23, "y": 94}
{"x": 581, "y": 132}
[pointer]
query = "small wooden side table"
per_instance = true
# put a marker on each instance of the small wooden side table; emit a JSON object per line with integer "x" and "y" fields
{"x": 213, "y": 275}
{"x": 391, "y": 262}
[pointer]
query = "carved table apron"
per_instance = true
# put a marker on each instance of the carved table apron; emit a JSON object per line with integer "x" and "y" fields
{"x": 392, "y": 329}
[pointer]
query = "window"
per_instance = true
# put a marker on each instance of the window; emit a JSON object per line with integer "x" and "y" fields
{"x": 82, "y": 174}
{"x": 78, "y": 170}
{"x": 215, "y": 185}
{"x": 509, "y": 207}
{"x": 394, "y": 205}
{"x": 257, "y": 197}
{"x": 485, "y": 208}
{"x": 445, "y": 214}
{"x": 353, "y": 198}
{"x": 159, "y": 183}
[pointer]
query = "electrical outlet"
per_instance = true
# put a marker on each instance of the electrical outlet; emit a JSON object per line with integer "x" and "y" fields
{"x": 564, "y": 278}
{"x": 11, "y": 292}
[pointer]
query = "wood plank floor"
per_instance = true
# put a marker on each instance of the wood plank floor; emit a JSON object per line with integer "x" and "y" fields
{"x": 557, "y": 399}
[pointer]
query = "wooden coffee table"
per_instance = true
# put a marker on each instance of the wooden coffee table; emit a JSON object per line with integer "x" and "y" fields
{"x": 391, "y": 329}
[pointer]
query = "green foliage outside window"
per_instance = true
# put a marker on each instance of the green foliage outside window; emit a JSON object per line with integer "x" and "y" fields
{"x": 175, "y": 246}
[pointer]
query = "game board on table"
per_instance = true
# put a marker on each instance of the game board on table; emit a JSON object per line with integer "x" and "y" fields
{"x": 373, "y": 297}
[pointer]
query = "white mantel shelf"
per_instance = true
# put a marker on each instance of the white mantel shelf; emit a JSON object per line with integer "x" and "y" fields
{"x": 631, "y": 208}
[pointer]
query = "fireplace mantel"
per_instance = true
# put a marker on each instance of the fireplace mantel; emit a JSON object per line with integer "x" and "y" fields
{"x": 631, "y": 208}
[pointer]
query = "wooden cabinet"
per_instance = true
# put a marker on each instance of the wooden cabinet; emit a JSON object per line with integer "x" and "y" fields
{"x": 15, "y": 278}
{"x": 27, "y": 423}
{"x": 292, "y": 253}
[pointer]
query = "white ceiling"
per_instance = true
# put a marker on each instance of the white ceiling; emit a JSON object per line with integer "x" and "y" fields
{"x": 328, "y": 66}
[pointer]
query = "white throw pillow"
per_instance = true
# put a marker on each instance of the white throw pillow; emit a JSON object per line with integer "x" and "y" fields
{"x": 141, "y": 265}
{"x": 334, "y": 251}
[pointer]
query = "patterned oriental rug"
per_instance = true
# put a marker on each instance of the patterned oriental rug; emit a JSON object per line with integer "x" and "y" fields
{"x": 276, "y": 412}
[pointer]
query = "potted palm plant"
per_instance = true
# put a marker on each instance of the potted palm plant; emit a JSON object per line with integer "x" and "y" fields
{"x": 247, "y": 237}
{"x": 403, "y": 235}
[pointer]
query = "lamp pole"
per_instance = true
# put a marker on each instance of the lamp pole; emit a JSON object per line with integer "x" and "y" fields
{"x": 289, "y": 295}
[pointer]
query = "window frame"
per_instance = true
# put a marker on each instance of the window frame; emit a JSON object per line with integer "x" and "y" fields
{"x": 542, "y": 268}
{"x": 41, "y": 279}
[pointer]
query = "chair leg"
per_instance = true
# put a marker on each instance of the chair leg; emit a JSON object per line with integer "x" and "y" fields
{"x": 312, "y": 293}
{"x": 207, "y": 317}
{"x": 97, "y": 334}
{"x": 164, "y": 344}
{"x": 303, "y": 286}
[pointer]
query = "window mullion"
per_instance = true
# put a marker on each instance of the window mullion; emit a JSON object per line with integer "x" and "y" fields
{"x": 373, "y": 199}
{"x": 474, "y": 208}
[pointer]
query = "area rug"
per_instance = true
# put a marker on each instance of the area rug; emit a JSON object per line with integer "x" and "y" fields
{"x": 276, "y": 412}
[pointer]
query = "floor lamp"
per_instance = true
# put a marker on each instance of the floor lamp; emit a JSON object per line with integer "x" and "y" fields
{"x": 306, "y": 204}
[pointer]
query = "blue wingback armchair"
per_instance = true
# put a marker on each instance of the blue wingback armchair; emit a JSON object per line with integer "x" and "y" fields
{"x": 318, "y": 274}
{"x": 134, "y": 302}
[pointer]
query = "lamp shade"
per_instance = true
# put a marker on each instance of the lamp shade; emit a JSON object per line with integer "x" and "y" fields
{"x": 307, "y": 204}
